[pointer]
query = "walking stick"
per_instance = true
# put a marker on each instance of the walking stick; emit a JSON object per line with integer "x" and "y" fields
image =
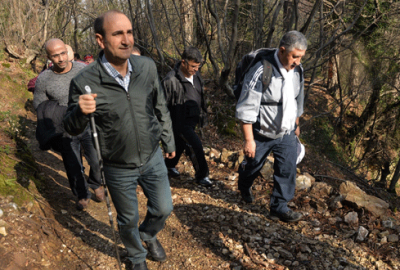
{"x": 103, "y": 179}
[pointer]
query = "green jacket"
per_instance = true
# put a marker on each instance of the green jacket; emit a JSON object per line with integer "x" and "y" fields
{"x": 129, "y": 124}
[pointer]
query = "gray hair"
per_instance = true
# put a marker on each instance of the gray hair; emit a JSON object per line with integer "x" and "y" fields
{"x": 293, "y": 40}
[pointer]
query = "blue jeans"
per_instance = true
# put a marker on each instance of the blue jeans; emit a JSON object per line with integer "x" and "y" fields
{"x": 85, "y": 140}
{"x": 285, "y": 155}
{"x": 122, "y": 184}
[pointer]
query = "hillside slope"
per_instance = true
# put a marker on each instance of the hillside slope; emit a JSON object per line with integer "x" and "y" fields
{"x": 209, "y": 228}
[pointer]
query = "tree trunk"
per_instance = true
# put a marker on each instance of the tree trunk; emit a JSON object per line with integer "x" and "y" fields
{"x": 258, "y": 28}
{"x": 187, "y": 22}
{"x": 304, "y": 29}
{"x": 228, "y": 56}
{"x": 150, "y": 19}
{"x": 369, "y": 110}
{"x": 395, "y": 177}
{"x": 287, "y": 15}
{"x": 272, "y": 25}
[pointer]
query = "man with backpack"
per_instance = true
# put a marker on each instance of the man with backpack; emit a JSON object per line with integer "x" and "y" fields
{"x": 270, "y": 101}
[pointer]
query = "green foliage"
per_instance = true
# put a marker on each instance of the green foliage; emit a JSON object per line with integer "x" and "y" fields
{"x": 2, "y": 55}
{"x": 10, "y": 186}
{"x": 225, "y": 119}
{"x": 6, "y": 65}
{"x": 5, "y": 149}
{"x": 323, "y": 135}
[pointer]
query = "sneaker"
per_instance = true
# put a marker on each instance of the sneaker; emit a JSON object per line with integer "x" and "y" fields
{"x": 289, "y": 216}
{"x": 205, "y": 182}
{"x": 173, "y": 172}
{"x": 82, "y": 204}
{"x": 247, "y": 195}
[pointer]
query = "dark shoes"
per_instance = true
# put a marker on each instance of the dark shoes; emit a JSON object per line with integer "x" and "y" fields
{"x": 289, "y": 216}
{"x": 247, "y": 195}
{"x": 205, "y": 182}
{"x": 138, "y": 266}
{"x": 82, "y": 204}
{"x": 173, "y": 172}
{"x": 156, "y": 251}
{"x": 99, "y": 192}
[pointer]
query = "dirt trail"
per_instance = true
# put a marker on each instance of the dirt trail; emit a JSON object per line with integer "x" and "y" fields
{"x": 210, "y": 228}
{"x": 90, "y": 233}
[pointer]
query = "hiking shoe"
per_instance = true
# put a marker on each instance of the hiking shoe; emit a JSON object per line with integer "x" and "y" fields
{"x": 99, "y": 194}
{"x": 289, "y": 216}
{"x": 82, "y": 204}
{"x": 205, "y": 182}
{"x": 173, "y": 172}
{"x": 247, "y": 195}
{"x": 156, "y": 250}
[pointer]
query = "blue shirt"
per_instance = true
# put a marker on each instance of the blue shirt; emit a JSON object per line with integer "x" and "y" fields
{"x": 123, "y": 81}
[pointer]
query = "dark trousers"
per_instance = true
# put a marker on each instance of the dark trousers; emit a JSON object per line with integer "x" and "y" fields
{"x": 285, "y": 155}
{"x": 183, "y": 141}
{"x": 85, "y": 141}
{"x": 73, "y": 167}
{"x": 122, "y": 184}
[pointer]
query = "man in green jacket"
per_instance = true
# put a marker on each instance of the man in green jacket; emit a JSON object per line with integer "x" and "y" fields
{"x": 131, "y": 117}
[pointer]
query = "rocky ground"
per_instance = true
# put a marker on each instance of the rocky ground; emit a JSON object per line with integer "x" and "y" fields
{"x": 210, "y": 228}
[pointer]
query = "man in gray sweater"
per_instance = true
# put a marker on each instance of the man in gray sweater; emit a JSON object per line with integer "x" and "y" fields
{"x": 53, "y": 85}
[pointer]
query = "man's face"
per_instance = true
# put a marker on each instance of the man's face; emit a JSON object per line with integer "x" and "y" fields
{"x": 290, "y": 60}
{"x": 117, "y": 41}
{"x": 58, "y": 54}
{"x": 189, "y": 68}
{"x": 89, "y": 60}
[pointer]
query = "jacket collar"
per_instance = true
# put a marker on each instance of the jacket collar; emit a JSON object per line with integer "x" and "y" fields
{"x": 108, "y": 79}
{"x": 181, "y": 77}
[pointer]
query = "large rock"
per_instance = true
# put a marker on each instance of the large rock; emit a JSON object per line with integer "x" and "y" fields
{"x": 227, "y": 155}
{"x": 321, "y": 190}
{"x": 351, "y": 218}
{"x": 267, "y": 171}
{"x": 354, "y": 194}
{"x": 304, "y": 181}
{"x": 214, "y": 154}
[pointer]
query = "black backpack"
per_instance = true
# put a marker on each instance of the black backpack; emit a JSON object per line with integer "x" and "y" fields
{"x": 247, "y": 62}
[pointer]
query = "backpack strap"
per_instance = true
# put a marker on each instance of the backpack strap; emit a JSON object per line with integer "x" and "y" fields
{"x": 266, "y": 80}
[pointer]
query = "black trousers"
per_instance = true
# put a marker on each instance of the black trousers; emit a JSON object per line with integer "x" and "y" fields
{"x": 187, "y": 140}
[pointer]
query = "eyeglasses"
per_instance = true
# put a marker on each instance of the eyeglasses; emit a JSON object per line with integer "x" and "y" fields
{"x": 197, "y": 65}
{"x": 64, "y": 53}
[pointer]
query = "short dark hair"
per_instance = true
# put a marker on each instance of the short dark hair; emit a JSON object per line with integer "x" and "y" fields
{"x": 77, "y": 56}
{"x": 192, "y": 54}
{"x": 99, "y": 21}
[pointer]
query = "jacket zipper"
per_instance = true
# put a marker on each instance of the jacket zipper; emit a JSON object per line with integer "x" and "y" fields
{"x": 134, "y": 124}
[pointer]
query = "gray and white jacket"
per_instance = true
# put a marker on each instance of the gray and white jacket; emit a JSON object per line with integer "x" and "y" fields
{"x": 267, "y": 119}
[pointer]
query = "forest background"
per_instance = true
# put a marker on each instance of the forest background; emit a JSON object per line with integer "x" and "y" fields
{"x": 353, "y": 57}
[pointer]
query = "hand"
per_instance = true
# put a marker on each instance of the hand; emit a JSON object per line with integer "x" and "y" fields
{"x": 250, "y": 149}
{"x": 297, "y": 131}
{"x": 87, "y": 103}
{"x": 170, "y": 155}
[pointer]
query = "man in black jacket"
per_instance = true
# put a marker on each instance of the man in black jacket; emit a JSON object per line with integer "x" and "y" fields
{"x": 183, "y": 88}
{"x": 131, "y": 117}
